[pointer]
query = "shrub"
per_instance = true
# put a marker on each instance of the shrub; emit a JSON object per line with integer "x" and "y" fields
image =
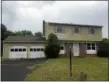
{"x": 103, "y": 48}
{"x": 53, "y": 48}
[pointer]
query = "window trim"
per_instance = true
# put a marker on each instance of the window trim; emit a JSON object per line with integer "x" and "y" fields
{"x": 89, "y": 30}
{"x": 95, "y": 46}
{"x": 31, "y": 49}
{"x": 63, "y": 29}
{"x": 16, "y": 49}
{"x": 23, "y": 49}
{"x": 42, "y": 49}
{"x": 20, "y": 49}
{"x": 12, "y": 49}
{"x": 38, "y": 49}
{"x": 74, "y": 30}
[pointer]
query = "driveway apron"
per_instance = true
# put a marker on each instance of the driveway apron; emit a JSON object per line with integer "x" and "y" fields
{"x": 16, "y": 70}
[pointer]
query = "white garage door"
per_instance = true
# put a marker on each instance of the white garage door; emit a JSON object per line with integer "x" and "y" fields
{"x": 36, "y": 52}
{"x": 18, "y": 52}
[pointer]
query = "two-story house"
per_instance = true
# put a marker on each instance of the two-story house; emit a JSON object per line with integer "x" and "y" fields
{"x": 83, "y": 40}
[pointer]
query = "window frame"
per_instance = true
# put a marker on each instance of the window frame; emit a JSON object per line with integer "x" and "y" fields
{"x": 38, "y": 49}
{"x": 20, "y": 49}
{"x": 42, "y": 49}
{"x": 74, "y": 32}
{"x": 91, "y": 46}
{"x": 12, "y": 49}
{"x": 31, "y": 49}
{"x": 63, "y": 29}
{"x": 16, "y": 49}
{"x": 34, "y": 49}
{"x": 24, "y": 49}
{"x": 90, "y": 32}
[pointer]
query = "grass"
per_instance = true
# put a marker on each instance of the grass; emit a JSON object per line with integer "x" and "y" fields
{"x": 58, "y": 69}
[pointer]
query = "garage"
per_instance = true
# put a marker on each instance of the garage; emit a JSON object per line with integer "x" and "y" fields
{"x": 36, "y": 52}
{"x": 18, "y": 47}
{"x": 16, "y": 52}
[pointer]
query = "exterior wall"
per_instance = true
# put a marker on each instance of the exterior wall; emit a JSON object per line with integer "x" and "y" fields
{"x": 7, "y": 46}
{"x": 5, "y": 51}
{"x": 82, "y": 49}
{"x": 68, "y": 34}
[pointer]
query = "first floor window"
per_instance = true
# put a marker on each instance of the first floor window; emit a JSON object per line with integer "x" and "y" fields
{"x": 91, "y": 46}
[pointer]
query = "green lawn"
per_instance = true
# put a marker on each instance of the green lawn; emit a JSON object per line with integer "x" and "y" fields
{"x": 58, "y": 69}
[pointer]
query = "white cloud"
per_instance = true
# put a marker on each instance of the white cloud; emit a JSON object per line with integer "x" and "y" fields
{"x": 30, "y": 14}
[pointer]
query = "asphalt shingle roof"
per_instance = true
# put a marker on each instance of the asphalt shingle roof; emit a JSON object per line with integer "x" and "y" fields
{"x": 24, "y": 39}
{"x": 68, "y": 24}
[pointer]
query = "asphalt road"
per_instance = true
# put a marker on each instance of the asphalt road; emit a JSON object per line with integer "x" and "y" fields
{"x": 16, "y": 70}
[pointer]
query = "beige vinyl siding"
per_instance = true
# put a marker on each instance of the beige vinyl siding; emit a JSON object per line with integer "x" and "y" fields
{"x": 69, "y": 35}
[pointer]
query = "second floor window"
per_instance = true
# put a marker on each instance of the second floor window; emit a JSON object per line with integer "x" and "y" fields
{"x": 76, "y": 30}
{"x": 91, "y": 31}
{"x": 59, "y": 29}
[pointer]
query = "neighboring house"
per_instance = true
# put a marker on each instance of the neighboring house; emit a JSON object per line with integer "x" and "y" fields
{"x": 82, "y": 38}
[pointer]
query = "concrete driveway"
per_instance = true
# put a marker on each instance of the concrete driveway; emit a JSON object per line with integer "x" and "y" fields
{"x": 16, "y": 70}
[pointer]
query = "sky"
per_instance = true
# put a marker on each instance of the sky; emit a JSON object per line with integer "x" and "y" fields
{"x": 28, "y": 15}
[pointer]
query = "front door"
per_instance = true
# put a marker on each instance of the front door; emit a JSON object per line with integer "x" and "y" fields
{"x": 76, "y": 49}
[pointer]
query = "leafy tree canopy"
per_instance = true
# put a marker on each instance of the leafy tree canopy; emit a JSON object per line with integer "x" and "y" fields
{"x": 38, "y": 34}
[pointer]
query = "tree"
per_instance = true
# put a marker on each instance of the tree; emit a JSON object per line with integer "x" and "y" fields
{"x": 10, "y": 33}
{"x": 23, "y": 33}
{"x": 105, "y": 40}
{"x": 103, "y": 48}
{"x": 38, "y": 34}
{"x": 3, "y": 32}
{"x": 53, "y": 47}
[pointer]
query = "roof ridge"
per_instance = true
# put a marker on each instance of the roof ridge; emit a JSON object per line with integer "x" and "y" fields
{"x": 74, "y": 24}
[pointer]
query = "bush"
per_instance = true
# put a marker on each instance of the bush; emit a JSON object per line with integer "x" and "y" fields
{"x": 53, "y": 48}
{"x": 103, "y": 49}
{"x": 52, "y": 51}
